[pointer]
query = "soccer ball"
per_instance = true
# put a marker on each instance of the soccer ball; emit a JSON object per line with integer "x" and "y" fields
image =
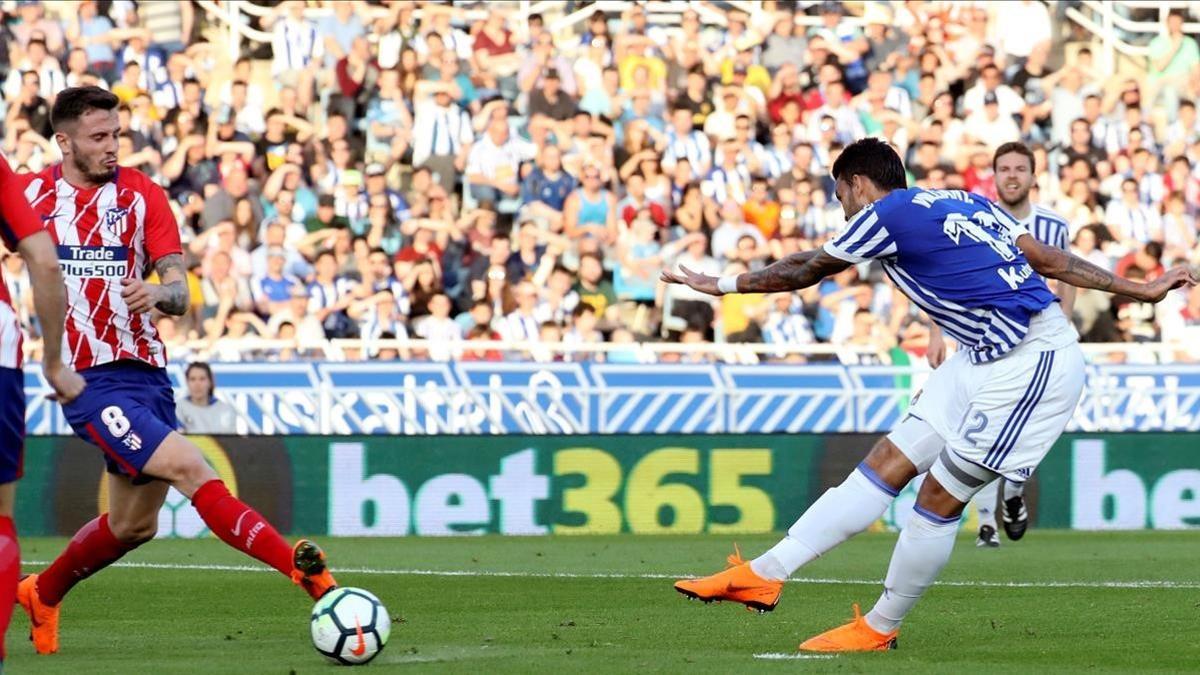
{"x": 350, "y": 626}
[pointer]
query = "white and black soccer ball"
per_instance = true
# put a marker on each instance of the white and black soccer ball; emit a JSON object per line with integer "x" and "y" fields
{"x": 350, "y": 626}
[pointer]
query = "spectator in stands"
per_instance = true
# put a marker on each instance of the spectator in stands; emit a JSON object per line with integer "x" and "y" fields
{"x": 273, "y": 290}
{"x": 405, "y": 142}
{"x": 493, "y": 165}
{"x": 1129, "y": 220}
{"x": 200, "y": 411}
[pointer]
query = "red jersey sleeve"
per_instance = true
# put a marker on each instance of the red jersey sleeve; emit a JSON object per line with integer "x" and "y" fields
{"x": 162, "y": 232}
{"x": 17, "y": 219}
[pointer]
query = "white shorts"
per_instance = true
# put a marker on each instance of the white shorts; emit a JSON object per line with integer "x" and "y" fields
{"x": 1002, "y": 416}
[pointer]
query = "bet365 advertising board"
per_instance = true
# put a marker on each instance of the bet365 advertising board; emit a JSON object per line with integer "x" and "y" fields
{"x": 563, "y": 485}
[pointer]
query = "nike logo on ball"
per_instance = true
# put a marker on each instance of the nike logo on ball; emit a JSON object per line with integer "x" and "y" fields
{"x": 360, "y": 648}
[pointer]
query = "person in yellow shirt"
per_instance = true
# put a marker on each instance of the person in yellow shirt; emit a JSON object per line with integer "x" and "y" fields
{"x": 738, "y": 309}
{"x": 635, "y": 52}
{"x": 127, "y": 87}
{"x": 743, "y": 72}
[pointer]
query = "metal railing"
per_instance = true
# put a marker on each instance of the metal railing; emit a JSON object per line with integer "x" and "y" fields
{"x": 1106, "y": 20}
{"x": 359, "y": 350}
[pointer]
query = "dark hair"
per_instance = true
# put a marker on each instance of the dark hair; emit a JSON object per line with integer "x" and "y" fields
{"x": 73, "y": 102}
{"x": 1153, "y": 249}
{"x": 1014, "y": 147}
{"x": 874, "y": 160}
{"x": 581, "y": 309}
{"x": 207, "y": 370}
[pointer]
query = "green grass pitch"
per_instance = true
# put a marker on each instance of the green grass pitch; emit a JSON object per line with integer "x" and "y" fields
{"x": 1054, "y": 602}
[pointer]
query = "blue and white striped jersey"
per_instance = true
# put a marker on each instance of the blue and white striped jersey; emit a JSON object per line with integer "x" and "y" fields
{"x": 1048, "y": 227}
{"x": 953, "y": 254}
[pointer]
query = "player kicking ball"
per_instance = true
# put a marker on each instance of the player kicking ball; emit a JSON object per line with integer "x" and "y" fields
{"x": 21, "y": 233}
{"x": 113, "y": 226}
{"x": 1014, "y": 168}
{"x": 992, "y": 410}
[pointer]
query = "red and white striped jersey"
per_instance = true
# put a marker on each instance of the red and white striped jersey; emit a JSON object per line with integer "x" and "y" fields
{"x": 17, "y": 221}
{"x": 105, "y": 234}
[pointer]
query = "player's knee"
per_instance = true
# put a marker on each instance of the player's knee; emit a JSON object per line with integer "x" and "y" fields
{"x": 934, "y": 497}
{"x": 134, "y": 531}
{"x": 890, "y": 464}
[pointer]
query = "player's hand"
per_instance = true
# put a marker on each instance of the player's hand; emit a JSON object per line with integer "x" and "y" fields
{"x": 139, "y": 295}
{"x": 937, "y": 349}
{"x": 694, "y": 280}
{"x": 67, "y": 383}
{"x": 1180, "y": 275}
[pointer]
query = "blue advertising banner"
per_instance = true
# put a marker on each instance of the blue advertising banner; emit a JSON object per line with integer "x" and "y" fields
{"x": 422, "y": 398}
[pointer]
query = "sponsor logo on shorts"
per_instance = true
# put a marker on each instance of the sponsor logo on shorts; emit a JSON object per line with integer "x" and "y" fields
{"x": 1025, "y": 472}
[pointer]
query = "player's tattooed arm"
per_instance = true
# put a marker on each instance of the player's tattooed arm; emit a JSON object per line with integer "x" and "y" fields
{"x": 796, "y": 271}
{"x": 1067, "y": 267}
{"x": 173, "y": 297}
{"x": 792, "y": 273}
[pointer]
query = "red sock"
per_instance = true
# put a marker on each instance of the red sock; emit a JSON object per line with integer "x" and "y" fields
{"x": 241, "y": 526}
{"x": 10, "y": 569}
{"x": 93, "y": 548}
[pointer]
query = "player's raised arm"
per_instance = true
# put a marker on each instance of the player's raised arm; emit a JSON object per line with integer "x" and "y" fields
{"x": 1070, "y": 268}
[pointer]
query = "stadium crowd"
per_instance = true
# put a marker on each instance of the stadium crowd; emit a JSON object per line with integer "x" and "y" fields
{"x": 408, "y": 169}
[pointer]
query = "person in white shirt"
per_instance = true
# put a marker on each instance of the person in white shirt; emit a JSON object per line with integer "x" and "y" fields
{"x": 1022, "y": 26}
{"x": 583, "y": 332}
{"x": 786, "y": 324}
{"x": 201, "y": 412}
{"x": 729, "y": 180}
{"x": 50, "y": 75}
{"x": 296, "y": 46}
{"x": 694, "y": 307}
{"x": 440, "y": 329}
{"x": 991, "y": 81}
{"x": 732, "y": 228}
{"x": 492, "y": 166}
{"x": 442, "y": 137}
{"x": 1131, "y": 222}
{"x": 380, "y": 320}
{"x": 989, "y": 126}
{"x": 848, "y": 124}
{"x": 521, "y": 324}
{"x": 684, "y": 141}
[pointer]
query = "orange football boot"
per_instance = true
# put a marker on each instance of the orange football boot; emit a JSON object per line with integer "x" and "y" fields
{"x": 309, "y": 571}
{"x": 43, "y": 618}
{"x": 738, "y": 583}
{"x": 855, "y": 636}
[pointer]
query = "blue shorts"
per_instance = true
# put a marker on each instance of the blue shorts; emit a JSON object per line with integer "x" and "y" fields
{"x": 127, "y": 410}
{"x": 12, "y": 424}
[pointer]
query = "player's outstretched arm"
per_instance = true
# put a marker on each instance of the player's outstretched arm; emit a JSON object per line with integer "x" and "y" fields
{"x": 50, "y": 301}
{"x": 1067, "y": 267}
{"x": 796, "y": 271}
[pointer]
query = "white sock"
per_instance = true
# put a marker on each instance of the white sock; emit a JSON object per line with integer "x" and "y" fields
{"x": 837, "y": 515}
{"x": 922, "y": 551}
{"x": 985, "y": 503}
{"x": 1012, "y": 489}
